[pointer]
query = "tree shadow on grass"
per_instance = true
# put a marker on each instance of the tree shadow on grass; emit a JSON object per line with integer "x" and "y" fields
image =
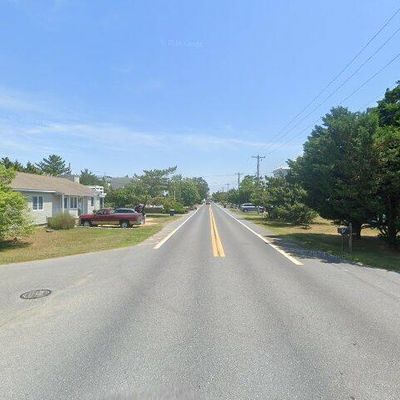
{"x": 13, "y": 244}
{"x": 368, "y": 251}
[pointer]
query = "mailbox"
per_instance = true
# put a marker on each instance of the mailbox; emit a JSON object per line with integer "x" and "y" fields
{"x": 343, "y": 230}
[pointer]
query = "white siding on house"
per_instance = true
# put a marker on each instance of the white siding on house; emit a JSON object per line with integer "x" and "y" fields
{"x": 90, "y": 208}
{"x": 40, "y": 216}
{"x": 97, "y": 203}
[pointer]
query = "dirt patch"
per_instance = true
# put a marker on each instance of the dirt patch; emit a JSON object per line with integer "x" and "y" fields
{"x": 150, "y": 221}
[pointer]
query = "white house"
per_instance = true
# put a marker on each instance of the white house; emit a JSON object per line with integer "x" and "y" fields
{"x": 49, "y": 195}
{"x": 99, "y": 190}
{"x": 281, "y": 172}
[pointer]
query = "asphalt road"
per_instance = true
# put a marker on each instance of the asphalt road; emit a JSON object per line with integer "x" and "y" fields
{"x": 213, "y": 312}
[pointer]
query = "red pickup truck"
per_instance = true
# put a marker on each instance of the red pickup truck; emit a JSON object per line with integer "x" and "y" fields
{"x": 124, "y": 217}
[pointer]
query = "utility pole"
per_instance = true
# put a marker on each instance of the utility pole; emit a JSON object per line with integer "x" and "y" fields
{"x": 238, "y": 190}
{"x": 238, "y": 174}
{"x": 227, "y": 187}
{"x": 258, "y": 157}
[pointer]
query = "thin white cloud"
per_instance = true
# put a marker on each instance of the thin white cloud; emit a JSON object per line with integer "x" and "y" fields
{"x": 117, "y": 137}
{"x": 224, "y": 142}
{"x": 103, "y": 133}
{"x": 28, "y": 105}
{"x": 21, "y": 110}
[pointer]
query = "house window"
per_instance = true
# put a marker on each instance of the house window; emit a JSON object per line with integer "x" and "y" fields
{"x": 37, "y": 202}
{"x": 65, "y": 202}
{"x": 92, "y": 201}
{"x": 73, "y": 202}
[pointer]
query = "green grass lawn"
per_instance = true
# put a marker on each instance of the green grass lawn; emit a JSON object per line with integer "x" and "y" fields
{"x": 322, "y": 235}
{"x": 42, "y": 244}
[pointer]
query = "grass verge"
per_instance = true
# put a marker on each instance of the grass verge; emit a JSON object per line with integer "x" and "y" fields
{"x": 322, "y": 235}
{"x": 42, "y": 244}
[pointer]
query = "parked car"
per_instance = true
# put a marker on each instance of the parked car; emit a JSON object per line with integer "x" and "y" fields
{"x": 124, "y": 217}
{"x": 247, "y": 207}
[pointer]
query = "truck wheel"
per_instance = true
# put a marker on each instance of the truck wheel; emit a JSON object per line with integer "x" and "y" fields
{"x": 124, "y": 224}
{"x": 87, "y": 223}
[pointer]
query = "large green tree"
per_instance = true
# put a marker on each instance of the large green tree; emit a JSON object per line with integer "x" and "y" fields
{"x": 247, "y": 189}
{"x": 53, "y": 165}
{"x": 387, "y": 146}
{"x": 155, "y": 182}
{"x": 338, "y": 168}
{"x": 202, "y": 187}
{"x": 189, "y": 192}
{"x": 184, "y": 190}
{"x": 14, "y": 217}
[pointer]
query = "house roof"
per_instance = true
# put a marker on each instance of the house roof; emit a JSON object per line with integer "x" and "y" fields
{"x": 43, "y": 183}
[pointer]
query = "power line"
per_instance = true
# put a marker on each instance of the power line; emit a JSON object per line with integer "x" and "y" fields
{"x": 385, "y": 24}
{"x": 340, "y": 86}
{"x": 371, "y": 77}
{"x": 341, "y": 102}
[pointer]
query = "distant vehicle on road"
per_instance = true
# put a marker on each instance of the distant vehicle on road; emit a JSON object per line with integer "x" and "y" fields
{"x": 208, "y": 202}
{"x": 124, "y": 217}
{"x": 248, "y": 207}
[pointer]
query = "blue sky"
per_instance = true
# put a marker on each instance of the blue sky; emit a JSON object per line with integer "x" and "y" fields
{"x": 121, "y": 86}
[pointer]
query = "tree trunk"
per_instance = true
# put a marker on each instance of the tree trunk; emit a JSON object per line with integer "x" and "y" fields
{"x": 392, "y": 234}
{"x": 392, "y": 217}
{"x": 356, "y": 230}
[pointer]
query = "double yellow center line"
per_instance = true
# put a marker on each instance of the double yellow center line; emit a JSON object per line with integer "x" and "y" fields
{"x": 218, "y": 250}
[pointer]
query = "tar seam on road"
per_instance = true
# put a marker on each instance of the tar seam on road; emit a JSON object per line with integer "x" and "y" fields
{"x": 288, "y": 256}
{"x": 218, "y": 250}
{"x": 159, "y": 244}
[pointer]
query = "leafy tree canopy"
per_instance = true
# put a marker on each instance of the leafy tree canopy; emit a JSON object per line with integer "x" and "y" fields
{"x": 19, "y": 167}
{"x": 387, "y": 147}
{"x": 338, "y": 166}
{"x": 389, "y": 108}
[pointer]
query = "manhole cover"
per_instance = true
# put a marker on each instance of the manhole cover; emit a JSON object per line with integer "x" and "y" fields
{"x": 35, "y": 294}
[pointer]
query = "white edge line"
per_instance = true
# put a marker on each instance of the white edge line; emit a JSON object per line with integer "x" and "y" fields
{"x": 288, "y": 256}
{"x": 159, "y": 244}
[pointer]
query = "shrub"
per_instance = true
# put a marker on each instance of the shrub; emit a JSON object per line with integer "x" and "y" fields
{"x": 61, "y": 221}
{"x": 14, "y": 218}
{"x": 171, "y": 204}
{"x": 297, "y": 213}
{"x": 179, "y": 208}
